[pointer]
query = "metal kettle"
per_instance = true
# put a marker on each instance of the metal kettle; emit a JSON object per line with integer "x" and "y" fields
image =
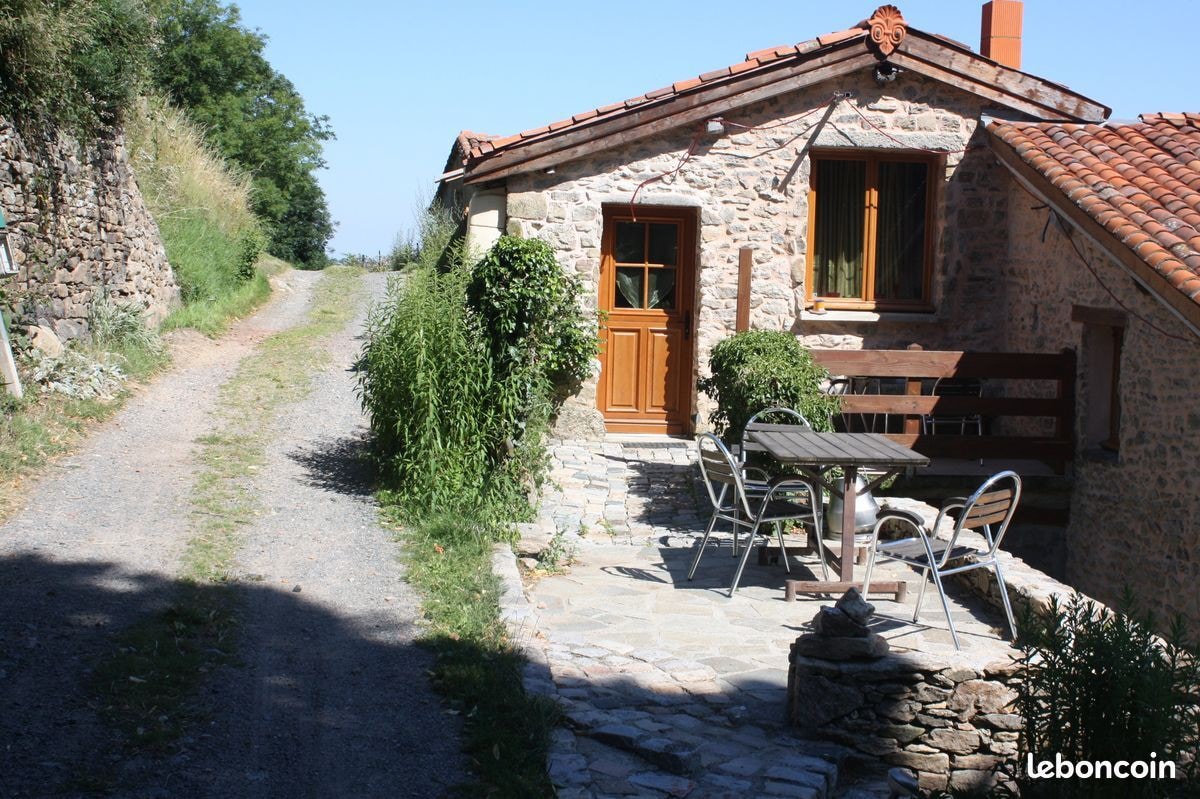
{"x": 866, "y": 509}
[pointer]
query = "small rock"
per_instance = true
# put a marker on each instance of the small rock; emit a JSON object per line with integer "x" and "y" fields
{"x": 45, "y": 341}
{"x": 902, "y": 782}
{"x": 833, "y": 623}
{"x": 854, "y": 606}
{"x": 296, "y": 589}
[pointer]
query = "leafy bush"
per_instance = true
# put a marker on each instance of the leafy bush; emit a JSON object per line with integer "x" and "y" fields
{"x": 529, "y": 310}
{"x": 459, "y": 367}
{"x": 1099, "y": 685}
{"x": 77, "y": 63}
{"x": 758, "y": 369}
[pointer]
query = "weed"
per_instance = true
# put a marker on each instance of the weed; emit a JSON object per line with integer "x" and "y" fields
{"x": 558, "y": 554}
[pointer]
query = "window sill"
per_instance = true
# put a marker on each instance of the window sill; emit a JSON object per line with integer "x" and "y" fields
{"x": 870, "y": 316}
{"x": 1100, "y": 455}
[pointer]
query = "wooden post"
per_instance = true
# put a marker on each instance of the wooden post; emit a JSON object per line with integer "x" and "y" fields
{"x": 1064, "y": 425}
{"x": 745, "y": 265}
{"x": 8, "y": 367}
{"x": 912, "y": 388}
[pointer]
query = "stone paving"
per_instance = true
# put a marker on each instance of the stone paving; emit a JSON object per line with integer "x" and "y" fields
{"x": 669, "y": 687}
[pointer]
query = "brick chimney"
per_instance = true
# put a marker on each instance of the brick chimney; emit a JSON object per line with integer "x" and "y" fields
{"x": 1000, "y": 37}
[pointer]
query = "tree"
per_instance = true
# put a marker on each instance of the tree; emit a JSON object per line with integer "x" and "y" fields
{"x": 214, "y": 67}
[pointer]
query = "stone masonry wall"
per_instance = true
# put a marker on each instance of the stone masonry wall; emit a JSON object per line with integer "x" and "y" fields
{"x": 78, "y": 225}
{"x": 1135, "y": 516}
{"x": 751, "y": 190}
{"x": 952, "y": 724}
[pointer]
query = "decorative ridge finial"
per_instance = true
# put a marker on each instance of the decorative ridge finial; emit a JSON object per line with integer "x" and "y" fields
{"x": 887, "y": 28}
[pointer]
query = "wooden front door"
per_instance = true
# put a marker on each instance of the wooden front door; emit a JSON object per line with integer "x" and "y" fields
{"x": 646, "y": 289}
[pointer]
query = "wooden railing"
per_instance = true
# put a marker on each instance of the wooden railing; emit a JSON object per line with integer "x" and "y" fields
{"x": 917, "y": 366}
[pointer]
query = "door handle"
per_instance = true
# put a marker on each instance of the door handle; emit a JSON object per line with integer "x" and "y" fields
{"x": 687, "y": 324}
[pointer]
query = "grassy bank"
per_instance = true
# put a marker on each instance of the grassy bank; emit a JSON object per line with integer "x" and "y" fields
{"x": 477, "y": 669}
{"x": 170, "y": 653}
{"x": 203, "y": 209}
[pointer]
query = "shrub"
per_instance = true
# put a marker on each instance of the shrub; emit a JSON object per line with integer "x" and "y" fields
{"x": 459, "y": 367}
{"x": 758, "y": 369}
{"x": 528, "y": 307}
{"x": 1099, "y": 685}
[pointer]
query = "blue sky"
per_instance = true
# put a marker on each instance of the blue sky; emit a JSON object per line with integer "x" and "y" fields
{"x": 400, "y": 79}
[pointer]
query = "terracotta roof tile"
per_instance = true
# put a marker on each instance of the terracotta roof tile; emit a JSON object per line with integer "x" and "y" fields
{"x": 840, "y": 36}
{"x": 684, "y": 85}
{"x": 1140, "y": 181}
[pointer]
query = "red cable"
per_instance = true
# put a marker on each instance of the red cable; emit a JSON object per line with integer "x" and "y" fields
{"x": 903, "y": 144}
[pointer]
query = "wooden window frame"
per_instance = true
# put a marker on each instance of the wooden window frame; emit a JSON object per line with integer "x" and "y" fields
{"x": 934, "y": 166}
{"x": 1107, "y": 325}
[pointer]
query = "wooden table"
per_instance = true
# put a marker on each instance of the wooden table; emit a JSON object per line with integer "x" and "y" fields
{"x": 812, "y": 454}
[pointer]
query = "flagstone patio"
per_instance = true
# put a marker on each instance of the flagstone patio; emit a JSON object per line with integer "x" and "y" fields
{"x": 669, "y": 686}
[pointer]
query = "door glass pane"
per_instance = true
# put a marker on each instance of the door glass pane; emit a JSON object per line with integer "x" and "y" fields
{"x": 661, "y": 292}
{"x": 629, "y": 287}
{"x": 900, "y": 231}
{"x": 838, "y": 239}
{"x": 664, "y": 243}
{"x": 631, "y": 243}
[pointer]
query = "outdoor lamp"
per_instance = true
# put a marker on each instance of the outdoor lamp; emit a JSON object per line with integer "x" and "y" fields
{"x": 7, "y": 266}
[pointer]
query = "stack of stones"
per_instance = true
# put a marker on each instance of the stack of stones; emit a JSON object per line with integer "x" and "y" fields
{"x": 955, "y": 725}
{"x": 841, "y": 632}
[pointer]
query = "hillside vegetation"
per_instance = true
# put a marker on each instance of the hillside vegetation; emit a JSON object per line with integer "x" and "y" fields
{"x": 202, "y": 206}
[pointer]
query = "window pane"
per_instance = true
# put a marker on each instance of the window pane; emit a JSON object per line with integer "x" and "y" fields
{"x": 838, "y": 240}
{"x": 629, "y": 287}
{"x": 662, "y": 289}
{"x": 664, "y": 243}
{"x": 631, "y": 243}
{"x": 900, "y": 231}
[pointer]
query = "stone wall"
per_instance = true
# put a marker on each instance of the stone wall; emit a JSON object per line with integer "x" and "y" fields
{"x": 78, "y": 225}
{"x": 1135, "y": 514}
{"x": 952, "y": 724}
{"x": 750, "y": 189}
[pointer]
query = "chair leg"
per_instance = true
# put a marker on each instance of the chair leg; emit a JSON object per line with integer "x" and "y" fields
{"x": 782, "y": 547}
{"x": 921, "y": 595}
{"x": 870, "y": 568}
{"x": 700, "y": 549}
{"x": 820, "y": 546}
{"x": 737, "y": 575}
{"x": 1012, "y": 625}
{"x": 937, "y": 580}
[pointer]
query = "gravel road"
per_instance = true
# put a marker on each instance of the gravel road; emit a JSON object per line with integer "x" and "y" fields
{"x": 329, "y": 697}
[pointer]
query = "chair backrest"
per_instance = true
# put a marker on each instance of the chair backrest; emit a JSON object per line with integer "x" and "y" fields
{"x": 721, "y": 473}
{"x": 993, "y": 503}
{"x": 958, "y": 387}
{"x": 793, "y": 416}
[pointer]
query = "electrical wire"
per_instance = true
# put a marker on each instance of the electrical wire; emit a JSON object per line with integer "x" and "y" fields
{"x": 1062, "y": 225}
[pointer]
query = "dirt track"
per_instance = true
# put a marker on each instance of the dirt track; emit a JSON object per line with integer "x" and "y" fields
{"x": 330, "y": 696}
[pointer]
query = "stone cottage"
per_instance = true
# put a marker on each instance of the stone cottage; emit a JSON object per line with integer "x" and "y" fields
{"x": 873, "y": 188}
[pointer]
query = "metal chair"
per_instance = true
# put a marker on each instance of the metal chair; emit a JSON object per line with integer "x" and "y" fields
{"x": 993, "y": 503}
{"x": 723, "y": 476}
{"x": 955, "y": 387}
{"x": 754, "y": 422}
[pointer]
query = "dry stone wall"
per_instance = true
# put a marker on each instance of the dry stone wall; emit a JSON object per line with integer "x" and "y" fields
{"x": 1135, "y": 514}
{"x": 78, "y": 226}
{"x": 750, "y": 189}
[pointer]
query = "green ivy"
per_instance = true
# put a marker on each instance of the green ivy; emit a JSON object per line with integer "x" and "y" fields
{"x": 760, "y": 369}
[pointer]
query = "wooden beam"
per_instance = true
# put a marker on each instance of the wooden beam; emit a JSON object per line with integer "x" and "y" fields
{"x": 897, "y": 404}
{"x": 981, "y": 76}
{"x": 943, "y": 363}
{"x": 745, "y": 267}
{"x": 672, "y": 112}
{"x": 1042, "y": 189}
{"x": 1108, "y": 317}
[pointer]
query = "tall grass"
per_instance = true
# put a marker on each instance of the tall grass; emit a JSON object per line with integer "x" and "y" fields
{"x": 202, "y": 206}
